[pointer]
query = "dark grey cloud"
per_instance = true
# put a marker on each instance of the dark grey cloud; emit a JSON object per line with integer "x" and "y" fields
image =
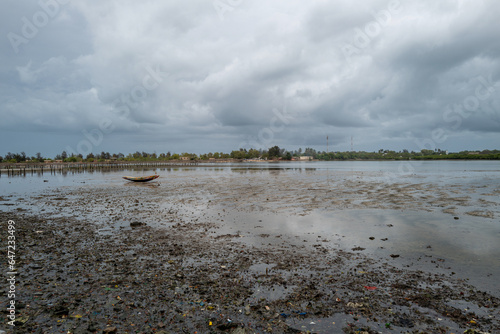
{"x": 165, "y": 75}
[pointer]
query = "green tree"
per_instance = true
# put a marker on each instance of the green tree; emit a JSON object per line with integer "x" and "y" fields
{"x": 273, "y": 152}
{"x": 310, "y": 152}
{"x": 253, "y": 153}
{"x": 39, "y": 157}
{"x": 238, "y": 154}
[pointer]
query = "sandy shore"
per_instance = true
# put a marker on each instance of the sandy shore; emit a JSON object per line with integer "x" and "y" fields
{"x": 186, "y": 257}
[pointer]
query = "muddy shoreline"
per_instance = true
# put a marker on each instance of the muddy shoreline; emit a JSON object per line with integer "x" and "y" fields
{"x": 200, "y": 255}
{"x": 181, "y": 279}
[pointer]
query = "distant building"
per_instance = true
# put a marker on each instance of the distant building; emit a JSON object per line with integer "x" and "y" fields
{"x": 58, "y": 161}
{"x": 305, "y": 157}
{"x": 185, "y": 158}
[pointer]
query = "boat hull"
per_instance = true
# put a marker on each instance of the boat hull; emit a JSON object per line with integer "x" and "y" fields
{"x": 141, "y": 178}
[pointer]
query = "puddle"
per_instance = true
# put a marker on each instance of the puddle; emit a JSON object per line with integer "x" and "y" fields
{"x": 270, "y": 293}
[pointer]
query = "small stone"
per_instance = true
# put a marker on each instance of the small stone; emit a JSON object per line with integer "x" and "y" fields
{"x": 20, "y": 321}
{"x": 239, "y": 330}
{"x": 228, "y": 326}
{"x": 372, "y": 238}
{"x": 110, "y": 330}
{"x": 60, "y": 311}
{"x": 92, "y": 327}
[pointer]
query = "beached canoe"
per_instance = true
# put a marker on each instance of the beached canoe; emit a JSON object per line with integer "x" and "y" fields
{"x": 141, "y": 178}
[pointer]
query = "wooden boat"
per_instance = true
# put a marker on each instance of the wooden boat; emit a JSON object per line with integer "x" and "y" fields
{"x": 141, "y": 178}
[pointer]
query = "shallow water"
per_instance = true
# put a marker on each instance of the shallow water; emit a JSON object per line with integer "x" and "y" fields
{"x": 408, "y": 208}
{"x": 420, "y": 239}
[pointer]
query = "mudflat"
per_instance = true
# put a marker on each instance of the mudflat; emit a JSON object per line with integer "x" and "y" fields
{"x": 250, "y": 252}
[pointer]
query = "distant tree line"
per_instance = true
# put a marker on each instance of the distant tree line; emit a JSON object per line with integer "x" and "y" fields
{"x": 406, "y": 155}
{"x": 273, "y": 153}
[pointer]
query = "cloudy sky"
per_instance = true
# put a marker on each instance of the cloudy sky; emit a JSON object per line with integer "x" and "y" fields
{"x": 204, "y": 76}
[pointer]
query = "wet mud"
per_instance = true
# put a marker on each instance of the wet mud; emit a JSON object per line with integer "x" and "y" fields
{"x": 170, "y": 259}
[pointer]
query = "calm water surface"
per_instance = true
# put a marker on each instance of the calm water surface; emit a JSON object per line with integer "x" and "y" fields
{"x": 469, "y": 246}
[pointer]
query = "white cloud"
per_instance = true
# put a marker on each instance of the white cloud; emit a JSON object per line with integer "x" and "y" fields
{"x": 26, "y": 75}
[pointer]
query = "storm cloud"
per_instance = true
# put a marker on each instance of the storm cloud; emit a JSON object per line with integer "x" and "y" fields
{"x": 206, "y": 76}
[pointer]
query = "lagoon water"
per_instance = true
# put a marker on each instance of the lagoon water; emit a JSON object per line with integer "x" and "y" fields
{"x": 438, "y": 172}
{"x": 443, "y": 215}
